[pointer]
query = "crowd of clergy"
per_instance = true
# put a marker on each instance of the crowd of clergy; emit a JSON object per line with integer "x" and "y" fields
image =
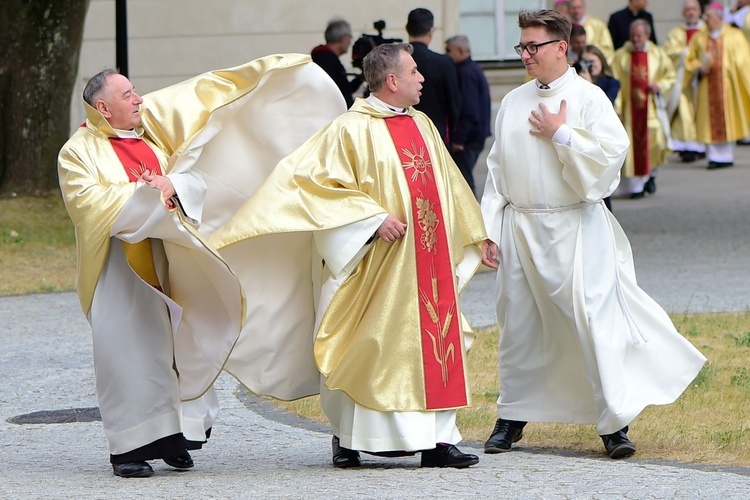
{"x": 686, "y": 95}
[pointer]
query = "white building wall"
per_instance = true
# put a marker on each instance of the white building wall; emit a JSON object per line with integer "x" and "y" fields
{"x": 172, "y": 40}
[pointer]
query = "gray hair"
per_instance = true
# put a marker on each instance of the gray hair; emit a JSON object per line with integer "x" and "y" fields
{"x": 641, "y": 22}
{"x": 382, "y": 61}
{"x": 336, "y": 29}
{"x": 461, "y": 41}
{"x": 93, "y": 89}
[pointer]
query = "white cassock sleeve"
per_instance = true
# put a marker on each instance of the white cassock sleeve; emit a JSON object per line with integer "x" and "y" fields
{"x": 592, "y": 161}
{"x": 190, "y": 189}
{"x": 493, "y": 202}
{"x": 343, "y": 247}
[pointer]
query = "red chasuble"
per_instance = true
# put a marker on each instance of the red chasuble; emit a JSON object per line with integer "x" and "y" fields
{"x": 442, "y": 353}
{"x": 639, "y": 111}
{"x": 716, "y": 92}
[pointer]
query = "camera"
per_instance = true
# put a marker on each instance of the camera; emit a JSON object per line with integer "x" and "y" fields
{"x": 366, "y": 43}
{"x": 580, "y": 64}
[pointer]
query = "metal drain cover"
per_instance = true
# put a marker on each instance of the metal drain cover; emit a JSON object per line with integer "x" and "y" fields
{"x": 69, "y": 416}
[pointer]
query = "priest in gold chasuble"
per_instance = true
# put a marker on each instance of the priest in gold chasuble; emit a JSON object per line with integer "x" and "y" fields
{"x": 380, "y": 232}
{"x": 720, "y": 56}
{"x": 164, "y": 307}
{"x": 647, "y": 75}
{"x": 681, "y": 102}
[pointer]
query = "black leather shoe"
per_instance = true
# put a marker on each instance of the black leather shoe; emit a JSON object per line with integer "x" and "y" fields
{"x": 133, "y": 469}
{"x": 650, "y": 186}
{"x": 181, "y": 462}
{"x": 688, "y": 156}
{"x": 505, "y": 433}
{"x": 713, "y": 165}
{"x": 344, "y": 458}
{"x": 638, "y": 196}
{"x": 617, "y": 444}
{"x": 447, "y": 455}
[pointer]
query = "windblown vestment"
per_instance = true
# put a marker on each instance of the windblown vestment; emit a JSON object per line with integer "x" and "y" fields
{"x": 380, "y": 322}
{"x": 230, "y": 127}
{"x": 580, "y": 342}
{"x": 156, "y": 296}
{"x": 637, "y": 107}
{"x": 723, "y": 100}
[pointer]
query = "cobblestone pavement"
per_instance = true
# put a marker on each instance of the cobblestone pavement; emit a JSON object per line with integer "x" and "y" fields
{"x": 692, "y": 251}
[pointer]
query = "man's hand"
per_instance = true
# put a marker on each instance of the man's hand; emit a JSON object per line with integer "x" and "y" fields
{"x": 391, "y": 229}
{"x": 163, "y": 184}
{"x": 458, "y": 147}
{"x": 653, "y": 88}
{"x": 489, "y": 253}
{"x": 544, "y": 123}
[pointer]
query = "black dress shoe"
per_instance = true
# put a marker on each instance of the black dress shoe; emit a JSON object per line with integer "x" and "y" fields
{"x": 688, "y": 156}
{"x": 181, "y": 462}
{"x": 638, "y": 196}
{"x": 617, "y": 444}
{"x": 133, "y": 469}
{"x": 447, "y": 455}
{"x": 650, "y": 186}
{"x": 505, "y": 433}
{"x": 344, "y": 458}
{"x": 713, "y": 165}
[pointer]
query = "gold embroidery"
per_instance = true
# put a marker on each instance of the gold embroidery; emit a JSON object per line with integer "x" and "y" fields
{"x": 439, "y": 349}
{"x": 428, "y": 222}
{"x": 137, "y": 172}
{"x": 418, "y": 162}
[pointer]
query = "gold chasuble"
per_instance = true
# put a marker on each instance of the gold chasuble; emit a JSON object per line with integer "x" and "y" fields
{"x": 444, "y": 378}
{"x": 636, "y": 106}
{"x": 390, "y": 334}
{"x": 723, "y": 98}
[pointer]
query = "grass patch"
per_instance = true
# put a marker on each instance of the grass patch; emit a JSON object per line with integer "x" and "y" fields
{"x": 37, "y": 246}
{"x": 709, "y": 423}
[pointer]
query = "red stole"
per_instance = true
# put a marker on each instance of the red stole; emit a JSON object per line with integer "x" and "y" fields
{"x": 136, "y": 157}
{"x": 716, "y": 91}
{"x": 442, "y": 352}
{"x": 639, "y": 111}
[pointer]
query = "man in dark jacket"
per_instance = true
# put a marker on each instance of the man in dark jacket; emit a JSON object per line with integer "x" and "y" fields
{"x": 338, "y": 39}
{"x": 473, "y": 127}
{"x": 440, "y": 100}
{"x": 619, "y": 22}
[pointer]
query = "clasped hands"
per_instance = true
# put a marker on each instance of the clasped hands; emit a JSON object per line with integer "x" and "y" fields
{"x": 162, "y": 183}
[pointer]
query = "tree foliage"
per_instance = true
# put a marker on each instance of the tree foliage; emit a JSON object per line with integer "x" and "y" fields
{"x": 40, "y": 42}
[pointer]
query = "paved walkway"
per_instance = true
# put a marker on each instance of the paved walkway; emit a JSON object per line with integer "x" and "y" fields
{"x": 692, "y": 248}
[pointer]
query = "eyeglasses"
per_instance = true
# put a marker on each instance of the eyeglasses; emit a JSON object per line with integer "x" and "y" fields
{"x": 531, "y": 48}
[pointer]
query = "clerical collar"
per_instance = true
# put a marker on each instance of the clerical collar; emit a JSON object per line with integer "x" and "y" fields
{"x": 553, "y": 83}
{"x": 383, "y": 106}
{"x": 128, "y": 134}
{"x": 581, "y": 21}
{"x": 716, "y": 34}
{"x": 694, "y": 26}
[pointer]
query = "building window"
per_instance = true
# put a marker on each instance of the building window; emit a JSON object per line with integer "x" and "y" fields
{"x": 492, "y": 25}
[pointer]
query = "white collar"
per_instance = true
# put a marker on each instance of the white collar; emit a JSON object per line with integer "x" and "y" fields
{"x": 384, "y": 106}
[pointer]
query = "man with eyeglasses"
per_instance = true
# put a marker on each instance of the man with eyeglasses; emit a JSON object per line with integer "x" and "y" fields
{"x": 580, "y": 341}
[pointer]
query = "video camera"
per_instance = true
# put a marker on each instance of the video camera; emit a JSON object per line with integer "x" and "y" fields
{"x": 366, "y": 43}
